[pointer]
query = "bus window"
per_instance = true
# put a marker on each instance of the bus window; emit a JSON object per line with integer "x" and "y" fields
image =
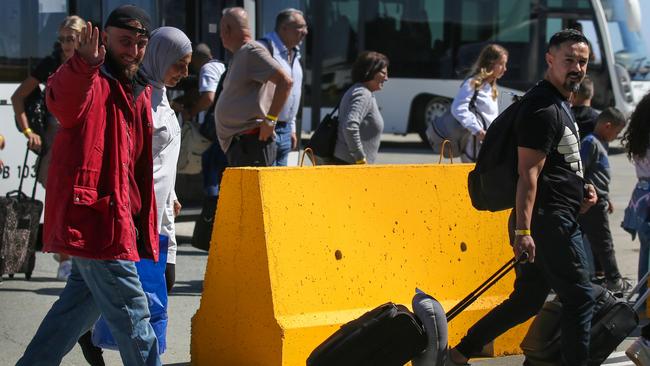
{"x": 580, "y": 4}
{"x": 589, "y": 30}
{"x": 338, "y": 48}
{"x": 270, "y": 9}
{"x": 627, "y": 40}
{"x": 28, "y": 30}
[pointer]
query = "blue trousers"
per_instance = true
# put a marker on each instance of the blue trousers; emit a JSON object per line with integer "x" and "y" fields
{"x": 283, "y": 142}
{"x": 108, "y": 287}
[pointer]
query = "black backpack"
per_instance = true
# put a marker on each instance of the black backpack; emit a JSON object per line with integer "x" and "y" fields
{"x": 492, "y": 185}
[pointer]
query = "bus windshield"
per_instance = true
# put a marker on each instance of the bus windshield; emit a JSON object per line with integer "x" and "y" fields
{"x": 628, "y": 44}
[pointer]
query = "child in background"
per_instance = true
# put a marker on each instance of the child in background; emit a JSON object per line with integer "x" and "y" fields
{"x": 595, "y": 222}
{"x": 581, "y": 106}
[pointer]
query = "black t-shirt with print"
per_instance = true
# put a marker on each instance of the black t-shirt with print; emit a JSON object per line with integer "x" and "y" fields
{"x": 546, "y": 126}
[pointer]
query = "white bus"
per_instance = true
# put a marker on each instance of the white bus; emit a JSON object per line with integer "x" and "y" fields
{"x": 432, "y": 43}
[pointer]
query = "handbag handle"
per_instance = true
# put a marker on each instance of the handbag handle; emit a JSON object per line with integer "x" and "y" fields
{"x": 310, "y": 152}
{"x": 442, "y": 151}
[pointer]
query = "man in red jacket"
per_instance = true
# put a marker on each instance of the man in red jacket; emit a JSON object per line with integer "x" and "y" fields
{"x": 100, "y": 208}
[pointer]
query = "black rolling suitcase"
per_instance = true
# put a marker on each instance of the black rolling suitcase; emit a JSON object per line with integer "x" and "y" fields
{"x": 613, "y": 320}
{"x": 19, "y": 221}
{"x": 390, "y": 335}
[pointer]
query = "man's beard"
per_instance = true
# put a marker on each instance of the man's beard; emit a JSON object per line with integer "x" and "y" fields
{"x": 126, "y": 72}
{"x": 572, "y": 85}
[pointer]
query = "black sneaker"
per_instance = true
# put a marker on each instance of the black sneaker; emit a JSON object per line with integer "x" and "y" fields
{"x": 92, "y": 353}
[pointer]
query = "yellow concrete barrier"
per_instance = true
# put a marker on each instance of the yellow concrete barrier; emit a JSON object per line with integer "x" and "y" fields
{"x": 302, "y": 250}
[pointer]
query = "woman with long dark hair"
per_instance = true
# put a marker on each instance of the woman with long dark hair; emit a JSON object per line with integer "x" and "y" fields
{"x": 636, "y": 141}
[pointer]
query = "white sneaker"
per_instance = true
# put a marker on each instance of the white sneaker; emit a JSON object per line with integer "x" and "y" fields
{"x": 639, "y": 352}
{"x": 63, "y": 272}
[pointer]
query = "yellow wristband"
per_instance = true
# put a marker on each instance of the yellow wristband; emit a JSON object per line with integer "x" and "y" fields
{"x": 272, "y": 117}
{"x": 2, "y": 142}
{"x": 522, "y": 232}
{"x": 362, "y": 161}
{"x": 27, "y": 131}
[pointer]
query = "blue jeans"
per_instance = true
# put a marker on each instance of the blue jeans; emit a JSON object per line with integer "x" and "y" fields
{"x": 283, "y": 142}
{"x": 109, "y": 287}
{"x": 560, "y": 264}
{"x": 213, "y": 164}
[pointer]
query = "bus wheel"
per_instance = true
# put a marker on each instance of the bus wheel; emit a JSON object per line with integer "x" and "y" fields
{"x": 435, "y": 107}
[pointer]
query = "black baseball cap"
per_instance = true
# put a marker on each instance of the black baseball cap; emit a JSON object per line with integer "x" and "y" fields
{"x": 121, "y": 16}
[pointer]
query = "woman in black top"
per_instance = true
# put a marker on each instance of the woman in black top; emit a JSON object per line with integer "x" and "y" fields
{"x": 64, "y": 48}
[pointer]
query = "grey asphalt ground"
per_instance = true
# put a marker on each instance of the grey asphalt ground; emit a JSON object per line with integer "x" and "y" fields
{"x": 23, "y": 304}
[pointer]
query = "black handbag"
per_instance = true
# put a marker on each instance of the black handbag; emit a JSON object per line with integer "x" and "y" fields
{"x": 323, "y": 141}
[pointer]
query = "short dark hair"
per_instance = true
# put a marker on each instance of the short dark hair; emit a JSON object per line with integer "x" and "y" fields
{"x": 586, "y": 89}
{"x": 284, "y": 16}
{"x": 567, "y": 35}
{"x": 367, "y": 65}
{"x": 612, "y": 115}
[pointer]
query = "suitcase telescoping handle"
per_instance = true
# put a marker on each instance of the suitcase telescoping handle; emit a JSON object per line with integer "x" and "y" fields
{"x": 19, "y": 193}
{"x": 474, "y": 295}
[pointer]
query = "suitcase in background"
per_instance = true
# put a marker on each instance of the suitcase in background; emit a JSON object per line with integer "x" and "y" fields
{"x": 19, "y": 221}
{"x": 202, "y": 234}
{"x": 389, "y": 335}
{"x": 613, "y": 320}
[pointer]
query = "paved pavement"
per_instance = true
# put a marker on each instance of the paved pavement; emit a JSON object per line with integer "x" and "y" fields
{"x": 24, "y": 303}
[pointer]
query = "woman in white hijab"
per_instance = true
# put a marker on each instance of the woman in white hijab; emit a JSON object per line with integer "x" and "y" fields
{"x": 165, "y": 63}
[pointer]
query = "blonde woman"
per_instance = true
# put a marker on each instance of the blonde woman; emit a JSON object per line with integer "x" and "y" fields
{"x": 64, "y": 48}
{"x": 477, "y": 116}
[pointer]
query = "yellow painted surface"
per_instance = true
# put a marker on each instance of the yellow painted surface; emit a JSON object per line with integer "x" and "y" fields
{"x": 300, "y": 251}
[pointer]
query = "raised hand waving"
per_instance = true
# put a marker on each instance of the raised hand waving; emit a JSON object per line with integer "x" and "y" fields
{"x": 89, "y": 48}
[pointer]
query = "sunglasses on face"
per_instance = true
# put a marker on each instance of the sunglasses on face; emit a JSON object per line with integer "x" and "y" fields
{"x": 67, "y": 39}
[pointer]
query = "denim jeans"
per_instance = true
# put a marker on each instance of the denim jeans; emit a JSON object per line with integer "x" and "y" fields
{"x": 283, "y": 142}
{"x": 213, "y": 164}
{"x": 636, "y": 221}
{"x": 109, "y": 287}
{"x": 560, "y": 264}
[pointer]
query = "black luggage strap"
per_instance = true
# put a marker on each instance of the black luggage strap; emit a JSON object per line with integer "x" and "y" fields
{"x": 474, "y": 295}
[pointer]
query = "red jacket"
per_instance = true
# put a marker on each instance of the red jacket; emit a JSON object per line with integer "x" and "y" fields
{"x": 87, "y": 206}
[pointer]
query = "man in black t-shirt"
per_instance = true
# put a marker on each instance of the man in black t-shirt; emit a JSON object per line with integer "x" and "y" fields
{"x": 550, "y": 194}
